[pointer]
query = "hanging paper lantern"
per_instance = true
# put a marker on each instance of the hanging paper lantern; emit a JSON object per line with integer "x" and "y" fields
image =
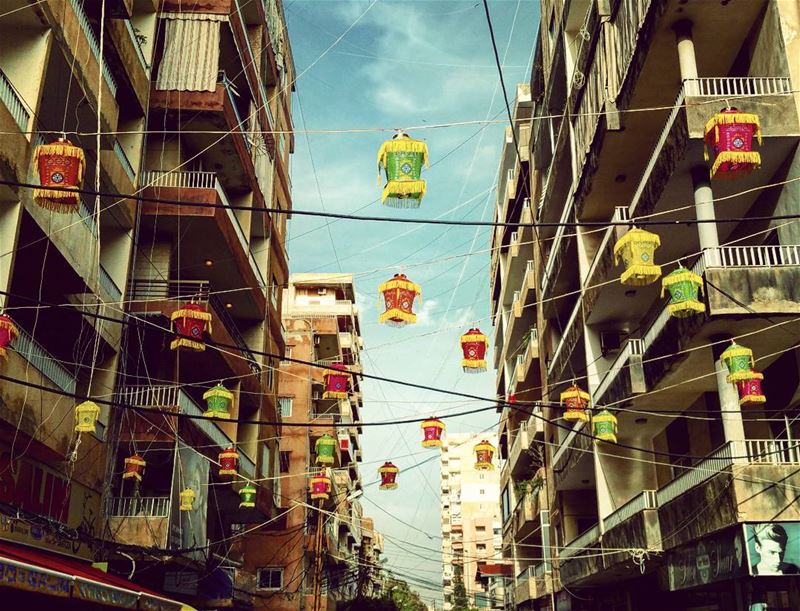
{"x": 187, "y": 497}
{"x": 739, "y": 361}
{"x": 191, "y": 323}
{"x": 575, "y": 402}
{"x": 8, "y": 333}
{"x": 134, "y": 467}
{"x": 337, "y": 383}
{"x": 402, "y": 159}
{"x": 484, "y": 452}
{"x": 433, "y": 429}
{"x": 325, "y": 449}
{"x": 512, "y": 399}
{"x": 321, "y": 487}
{"x": 749, "y": 389}
{"x": 218, "y": 402}
{"x": 473, "y": 346}
{"x": 247, "y": 496}
{"x": 388, "y": 473}
{"x": 398, "y": 300}
{"x": 229, "y": 462}
{"x": 684, "y": 288}
{"x": 86, "y": 415}
{"x": 605, "y": 426}
{"x": 729, "y": 136}
{"x": 636, "y": 249}
{"x": 59, "y": 164}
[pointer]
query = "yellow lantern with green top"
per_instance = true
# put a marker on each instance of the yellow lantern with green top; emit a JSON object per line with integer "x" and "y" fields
{"x": 636, "y": 249}
{"x": 218, "y": 402}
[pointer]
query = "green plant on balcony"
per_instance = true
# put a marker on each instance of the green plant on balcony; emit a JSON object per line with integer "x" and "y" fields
{"x": 529, "y": 486}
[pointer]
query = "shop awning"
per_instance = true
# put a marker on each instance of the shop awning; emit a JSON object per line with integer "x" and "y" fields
{"x": 25, "y": 568}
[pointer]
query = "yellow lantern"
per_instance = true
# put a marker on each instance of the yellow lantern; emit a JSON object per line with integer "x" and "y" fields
{"x": 636, "y": 249}
{"x": 605, "y": 426}
{"x": 575, "y": 402}
{"x": 187, "y": 497}
{"x": 86, "y": 414}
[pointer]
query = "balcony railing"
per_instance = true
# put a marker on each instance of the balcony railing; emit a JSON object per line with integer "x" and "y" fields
{"x": 715, "y": 87}
{"x": 13, "y": 102}
{"x": 124, "y": 161}
{"x": 647, "y": 499}
{"x": 136, "y": 44}
{"x": 109, "y": 286}
{"x": 139, "y": 506}
{"x": 632, "y": 346}
{"x": 568, "y": 329}
{"x": 77, "y": 6}
{"x": 694, "y": 476}
{"x": 29, "y": 349}
{"x": 752, "y": 256}
{"x": 584, "y": 541}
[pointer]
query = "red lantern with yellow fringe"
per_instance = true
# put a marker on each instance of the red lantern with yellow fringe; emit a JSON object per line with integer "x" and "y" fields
{"x": 575, "y": 401}
{"x": 729, "y": 137}
{"x": 474, "y": 345}
{"x": 398, "y": 300}
{"x": 59, "y": 164}
{"x": 229, "y": 462}
{"x": 134, "y": 467}
{"x": 337, "y": 383}
{"x": 8, "y": 333}
{"x": 749, "y": 389}
{"x": 321, "y": 487}
{"x": 192, "y": 322}
{"x": 388, "y": 473}
{"x": 432, "y": 428}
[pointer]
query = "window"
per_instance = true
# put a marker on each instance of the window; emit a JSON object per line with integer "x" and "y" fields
{"x": 496, "y": 531}
{"x": 270, "y": 378}
{"x": 481, "y": 547}
{"x": 285, "y": 461}
{"x": 285, "y": 405}
{"x": 480, "y": 529}
{"x": 287, "y": 353}
{"x": 482, "y": 491}
{"x": 481, "y": 476}
{"x": 270, "y": 578}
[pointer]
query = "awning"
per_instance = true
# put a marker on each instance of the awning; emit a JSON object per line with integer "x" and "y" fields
{"x": 33, "y": 570}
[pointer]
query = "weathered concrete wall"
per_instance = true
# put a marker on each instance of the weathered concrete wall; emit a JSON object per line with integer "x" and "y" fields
{"x": 765, "y": 493}
{"x": 773, "y": 290}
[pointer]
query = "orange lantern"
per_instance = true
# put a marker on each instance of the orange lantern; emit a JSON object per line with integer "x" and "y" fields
{"x": 576, "y": 403}
{"x": 336, "y": 382}
{"x": 398, "y": 300}
{"x": 191, "y": 324}
{"x": 229, "y": 462}
{"x": 388, "y": 474}
{"x": 474, "y": 345}
{"x": 750, "y": 392}
{"x": 134, "y": 467}
{"x": 484, "y": 452}
{"x": 8, "y": 333}
{"x": 433, "y": 429}
{"x": 321, "y": 487}
{"x": 59, "y": 164}
{"x": 729, "y": 136}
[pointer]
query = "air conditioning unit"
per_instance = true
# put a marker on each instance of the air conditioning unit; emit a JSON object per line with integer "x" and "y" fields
{"x": 610, "y": 342}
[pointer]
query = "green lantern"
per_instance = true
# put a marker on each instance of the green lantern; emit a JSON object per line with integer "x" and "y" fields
{"x": 605, "y": 426}
{"x": 685, "y": 288}
{"x": 247, "y": 496}
{"x": 738, "y": 359}
{"x": 218, "y": 401}
{"x": 325, "y": 448}
{"x": 402, "y": 159}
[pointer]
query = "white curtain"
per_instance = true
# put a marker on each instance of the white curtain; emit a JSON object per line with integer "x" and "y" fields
{"x": 191, "y": 52}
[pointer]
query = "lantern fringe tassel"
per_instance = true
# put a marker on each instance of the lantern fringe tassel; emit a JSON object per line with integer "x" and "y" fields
{"x": 432, "y": 443}
{"x": 402, "y": 145}
{"x": 750, "y": 157}
{"x": 731, "y": 118}
{"x": 398, "y": 317}
{"x": 324, "y": 460}
{"x": 185, "y": 342}
{"x": 388, "y": 486}
{"x": 640, "y": 275}
{"x": 334, "y": 394}
{"x": 400, "y": 283}
{"x": 413, "y": 190}
{"x": 62, "y": 202}
{"x": 683, "y": 309}
{"x": 217, "y": 392}
{"x": 473, "y": 365}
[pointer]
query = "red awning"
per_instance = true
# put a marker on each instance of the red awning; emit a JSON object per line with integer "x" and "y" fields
{"x": 490, "y": 569}
{"x": 35, "y": 570}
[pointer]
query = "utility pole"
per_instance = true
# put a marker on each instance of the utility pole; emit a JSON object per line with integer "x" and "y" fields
{"x": 318, "y": 561}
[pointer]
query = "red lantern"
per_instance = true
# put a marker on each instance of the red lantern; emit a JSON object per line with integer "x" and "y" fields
{"x": 8, "y": 333}
{"x": 229, "y": 462}
{"x": 433, "y": 429}
{"x": 59, "y": 164}
{"x": 750, "y": 392}
{"x": 388, "y": 474}
{"x": 474, "y": 345}
{"x": 321, "y": 487}
{"x": 134, "y": 467}
{"x": 729, "y": 135}
{"x": 398, "y": 300}
{"x": 484, "y": 452}
{"x": 336, "y": 384}
{"x": 512, "y": 399}
{"x": 576, "y": 403}
{"x": 191, "y": 324}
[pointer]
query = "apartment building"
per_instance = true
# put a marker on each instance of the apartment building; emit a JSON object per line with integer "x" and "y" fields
{"x": 470, "y": 518}
{"x": 678, "y": 512}
{"x": 296, "y": 559}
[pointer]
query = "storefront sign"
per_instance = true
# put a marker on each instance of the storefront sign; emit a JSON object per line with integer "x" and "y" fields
{"x": 773, "y": 548}
{"x": 104, "y": 594}
{"x": 31, "y": 580}
{"x": 711, "y": 559}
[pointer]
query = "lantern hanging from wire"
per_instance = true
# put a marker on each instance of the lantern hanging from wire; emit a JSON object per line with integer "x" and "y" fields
{"x": 247, "y": 496}
{"x": 325, "y": 448}
{"x": 86, "y": 415}
{"x": 605, "y": 426}
{"x": 749, "y": 389}
{"x": 739, "y": 361}
{"x": 320, "y": 487}
{"x": 729, "y": 139}
{"x": 432, "y": 429}
{"x": 218, "y": 402}
{"x": 191, "y": 322}
{"x": 388, "y": 473}
{"x": 398, "y": 301}
{"x": 484, "y": 452}
{"x": 636, "y": 249}
{"x": 8, "y": 333}
{"x": 187, "y": 497}
{"x": 575, "y": 402}
{"x": 473, "y": 347}
{"x": 229, "y": 462}
{"x": 337, "y": 383}
{"x": 402, "y": 159}
{"x": 60, "y": 165}
{"x": 685, "y": 288}
{"x": 134, "y": 467}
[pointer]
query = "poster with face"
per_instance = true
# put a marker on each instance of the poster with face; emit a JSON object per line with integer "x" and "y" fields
{"x": 773, "y": 548}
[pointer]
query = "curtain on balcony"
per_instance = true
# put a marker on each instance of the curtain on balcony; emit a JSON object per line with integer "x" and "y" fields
{"x": 191, "y": 52}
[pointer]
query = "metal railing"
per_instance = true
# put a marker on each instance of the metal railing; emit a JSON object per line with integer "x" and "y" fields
{"x": 13, "y": 102}
{"x": 139, "y": 506}
{"x": 29, "y": 349}
{"x": 108, "y": 284}
{"x": 564, "y": 336}
{"x": 581, "y": 543}
{"x": 564, "y": 446}
{"x": 136, "y": 44}
{"x": 123, "y": 159}
{"x": 647, "y": 499}
{"x": 259, "y": 83}
{"x": 83, "y": 20}
{"x": 694, "y": 476}
{"x": 771, "y": 451}
{"x": 737, "y": 86}
{"x": 632, "y": 346}
{"x": 752, "y": 256}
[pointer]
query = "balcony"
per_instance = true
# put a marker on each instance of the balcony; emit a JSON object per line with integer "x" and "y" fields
{"x": 573, "y": 460}
{"x": 140, "y": 520}
{"x": 559, "y": 272}
{"x": 529, "y": 515}
{"x": 579, "y": 558}
{"x": 94, "y": 45}
{"x": 534, "y": 582}
{"x": 527, "y": 363}
{"x": 14, "y": 104}
{"x": 559, "y": 365}
{"x": 30, "y": 350}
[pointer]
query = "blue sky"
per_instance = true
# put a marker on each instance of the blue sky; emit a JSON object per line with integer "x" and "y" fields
{"x": 406, "y": 63}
